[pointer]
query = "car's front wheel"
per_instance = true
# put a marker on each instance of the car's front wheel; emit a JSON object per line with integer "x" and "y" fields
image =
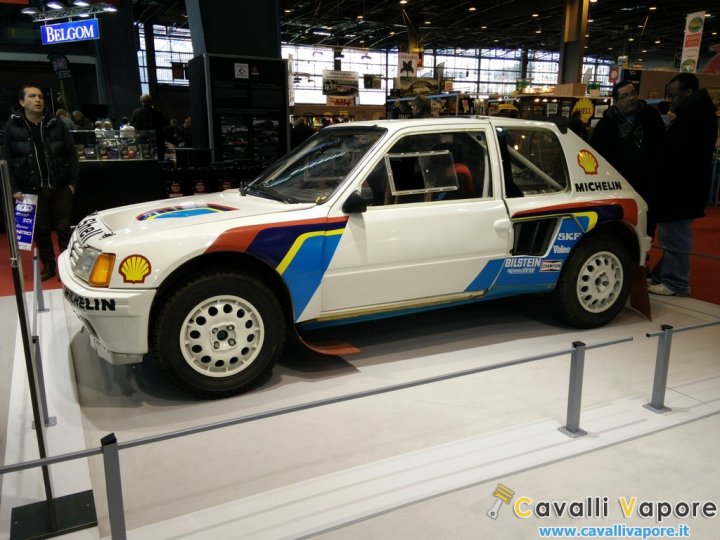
{"x": 594, "y": 284}
{"x": 219, "y": 334}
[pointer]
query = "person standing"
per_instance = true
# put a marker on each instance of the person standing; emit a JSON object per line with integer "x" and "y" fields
{"x": 300, "y": 132}
{"x": 42, "y": 160}
{"x": 147, "y": 117}
{"x": 421, "y": 107}
{"x": 630, "y": 136}
{"x": 687, "y": 160}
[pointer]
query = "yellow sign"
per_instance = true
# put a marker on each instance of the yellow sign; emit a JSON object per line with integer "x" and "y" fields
{"x": 586, "y": 108}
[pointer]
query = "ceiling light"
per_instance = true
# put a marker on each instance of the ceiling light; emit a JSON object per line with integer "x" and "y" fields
{"x": 657, "y": 41}
{"x": 360, "y": 17}
{"x": 83, "y": 15}
{"x": 81, "y": 3}
{"x": 472, "y": 8}
{"x": 535, "y": 15}
{"x": 538, "y": 31}
{"x": 55, "y": 5}
{"x": 652, "y": 8}
{"x": 426, "y": 22}
{"x": 392, "y": 33}
{"x": 483, "y": 28}
{"x": 288, "y": 11}
{"x": 591, "y": 20}
{"x": 644, "y": 50}
{"x": 109, "y": 8}
{"x": 631, "y": 39}
{"x": 593, "y": 1}
{"x": 403, "y": 2}
{"x": 610, "y": 48}
{"x": 28, "y": 11}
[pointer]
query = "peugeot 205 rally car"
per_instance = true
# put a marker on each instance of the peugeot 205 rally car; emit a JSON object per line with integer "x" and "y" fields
{"x": 364, "y": 220}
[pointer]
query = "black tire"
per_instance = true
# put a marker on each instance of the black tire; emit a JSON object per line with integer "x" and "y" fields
{"x": 219, "y": 334}
{"x": 594, "y": 284}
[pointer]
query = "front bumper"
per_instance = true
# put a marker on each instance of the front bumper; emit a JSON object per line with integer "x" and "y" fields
{"x": 116, "y": 319}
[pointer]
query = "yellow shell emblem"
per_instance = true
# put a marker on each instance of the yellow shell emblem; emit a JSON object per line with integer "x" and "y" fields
{"x": 587, "y": 161}
{"x": 134, "y": 269}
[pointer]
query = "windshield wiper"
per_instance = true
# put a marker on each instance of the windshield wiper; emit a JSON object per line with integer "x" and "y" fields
{"x": 269, "y": 193}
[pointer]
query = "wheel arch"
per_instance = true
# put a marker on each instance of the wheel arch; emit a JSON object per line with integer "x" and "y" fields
{"x": 233, "y": 261}
{"x": 622, "y": 231}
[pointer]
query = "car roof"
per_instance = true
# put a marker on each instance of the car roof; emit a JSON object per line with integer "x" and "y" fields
{"x": 459, "y": 121}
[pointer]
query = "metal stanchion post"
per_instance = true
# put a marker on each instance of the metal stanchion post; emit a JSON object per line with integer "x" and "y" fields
{"x": 577, "y": 366}
{"x": 662, "y": 363}
{"x": 37, "y": 284}
{"x": 113, "y": 487}
{"x": 48, "y": 420}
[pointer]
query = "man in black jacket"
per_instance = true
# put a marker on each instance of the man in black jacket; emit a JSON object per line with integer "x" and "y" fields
{"x": 42, "y": 160}
{"x": 630, "y": 136}
{"x": 687, "y": 161}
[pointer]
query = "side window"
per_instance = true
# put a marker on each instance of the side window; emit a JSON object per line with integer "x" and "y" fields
{"x": 431, "y": 167}
{"x": 533, "y": 162}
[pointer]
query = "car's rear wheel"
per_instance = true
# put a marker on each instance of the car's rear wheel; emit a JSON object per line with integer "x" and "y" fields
{"x": 594, "y": 284}
{"x": 219, "y": 334}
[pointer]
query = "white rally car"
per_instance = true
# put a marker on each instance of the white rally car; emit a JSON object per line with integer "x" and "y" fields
{"x": 364, "y": 220}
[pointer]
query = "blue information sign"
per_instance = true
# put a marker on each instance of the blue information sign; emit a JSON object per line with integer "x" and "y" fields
{"x": 70, "y": 31}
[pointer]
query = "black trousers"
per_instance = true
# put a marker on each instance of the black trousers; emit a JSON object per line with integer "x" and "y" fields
{"x": 53, "y": 212}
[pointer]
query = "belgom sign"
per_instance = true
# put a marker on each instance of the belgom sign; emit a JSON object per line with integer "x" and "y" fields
{"x": 70, "y": 31}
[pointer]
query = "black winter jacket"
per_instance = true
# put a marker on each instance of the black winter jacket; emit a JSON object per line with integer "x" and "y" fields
{"x": 633, "y": 148}
{"x": 59, "y": 150}
{"x": 687, "y": 160}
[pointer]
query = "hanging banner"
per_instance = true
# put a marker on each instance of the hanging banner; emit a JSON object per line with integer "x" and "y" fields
{"x": 68, "y": 32}
{"x": 25, "y": 221}
{"x": 340, "y": 83}
{"x": 68, "y": 95}
{"x": 340, "y": 101}
{"x": 691, "y": 44}
{"x": 408, "y": 64}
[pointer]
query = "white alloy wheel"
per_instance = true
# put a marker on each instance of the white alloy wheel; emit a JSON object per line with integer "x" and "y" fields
{"x": 222, "y": 336}
{"x": 600, "y": 282}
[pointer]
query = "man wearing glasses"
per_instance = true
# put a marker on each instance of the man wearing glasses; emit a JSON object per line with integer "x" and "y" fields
{"x": 630, "y": 136}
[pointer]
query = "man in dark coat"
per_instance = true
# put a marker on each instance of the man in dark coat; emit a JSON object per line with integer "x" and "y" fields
{"x": 630, "y": 136}
{"x": 147, "y": 117}
{"x": 687, "y": 161}
{"x": 421, "y": 107}
{"x": 42, "y": 160}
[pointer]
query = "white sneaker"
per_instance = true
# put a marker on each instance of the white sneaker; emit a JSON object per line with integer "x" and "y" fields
{"x": 663, "y": 290}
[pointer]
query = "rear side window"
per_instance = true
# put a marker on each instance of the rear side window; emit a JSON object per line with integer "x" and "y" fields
{"x": 533, "y": 161}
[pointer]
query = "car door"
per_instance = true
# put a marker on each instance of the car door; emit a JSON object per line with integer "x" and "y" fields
{"x": 436, "y": 229}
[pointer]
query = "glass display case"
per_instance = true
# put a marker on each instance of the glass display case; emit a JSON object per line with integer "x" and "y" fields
{"x": 115, "y": 145}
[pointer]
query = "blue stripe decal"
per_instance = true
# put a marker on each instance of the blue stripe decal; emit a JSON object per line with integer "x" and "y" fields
{"x": 486, "y": 277}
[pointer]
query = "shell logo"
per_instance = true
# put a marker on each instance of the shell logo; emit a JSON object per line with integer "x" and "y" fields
{"x": 587, "y": 161}
{"x": 134, "y": 269}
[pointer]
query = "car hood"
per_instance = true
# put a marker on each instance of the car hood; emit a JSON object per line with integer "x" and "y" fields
{"x": 193, "y": 210}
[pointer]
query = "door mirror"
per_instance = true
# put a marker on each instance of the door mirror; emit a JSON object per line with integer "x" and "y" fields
{"x": 354, "y": 204}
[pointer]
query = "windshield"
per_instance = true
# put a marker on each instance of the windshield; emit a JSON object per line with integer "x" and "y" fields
{"x": 313, "y": 171}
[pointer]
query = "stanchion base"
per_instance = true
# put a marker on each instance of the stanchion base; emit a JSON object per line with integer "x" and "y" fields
{"x": 661, "y": 410}
{"x": 72, "y": 512}
{"x": 572, "y": 434}
{"x": 52, "y": 421}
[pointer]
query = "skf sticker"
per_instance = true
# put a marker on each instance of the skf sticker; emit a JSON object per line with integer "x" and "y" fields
{"x": 134, "y": 269}
{"x": 587, "y": 161}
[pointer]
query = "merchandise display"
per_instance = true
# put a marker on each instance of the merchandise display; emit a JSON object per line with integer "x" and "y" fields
{"x": 362, "y": 221}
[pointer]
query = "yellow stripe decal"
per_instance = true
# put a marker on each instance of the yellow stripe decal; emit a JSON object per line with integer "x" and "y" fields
{"x": 299, "y": 241}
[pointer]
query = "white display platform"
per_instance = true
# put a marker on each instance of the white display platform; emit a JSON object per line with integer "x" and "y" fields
{"x": 327, "y": 468}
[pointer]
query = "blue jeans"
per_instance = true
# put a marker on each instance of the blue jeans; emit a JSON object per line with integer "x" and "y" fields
{"x": 673, "y": 269}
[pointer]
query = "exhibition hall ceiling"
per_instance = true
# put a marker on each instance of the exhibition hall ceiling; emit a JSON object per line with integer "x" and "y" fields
{"x": 651, "y": 31}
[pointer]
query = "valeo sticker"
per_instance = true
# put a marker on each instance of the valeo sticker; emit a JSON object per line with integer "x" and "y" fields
{"x": 134, "y": 269}
{"x": 587, "y": 161}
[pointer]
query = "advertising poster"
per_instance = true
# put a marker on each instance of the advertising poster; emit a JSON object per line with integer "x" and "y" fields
{"x": 25, "y": 221}
{"x": 248, "y": 116}
{"x": 340, "y": 83}
{"x": 691, "y": 43}
{"x": 408, "y": 64}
